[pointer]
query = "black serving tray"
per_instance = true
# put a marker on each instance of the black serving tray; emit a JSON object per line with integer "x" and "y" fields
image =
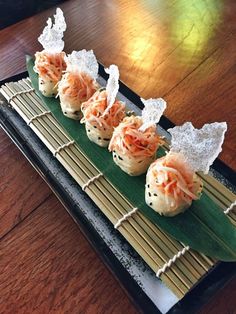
{"x": 29, "y": 144}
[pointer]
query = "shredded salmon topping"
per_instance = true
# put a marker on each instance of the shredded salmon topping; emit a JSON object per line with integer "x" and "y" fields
{"x": 50, "y": 66}
{"x": 128, "y": 139}
{"x": 94, "y": 111}
{"x": 172, "y": 176}
{"x": 77, "y": 86}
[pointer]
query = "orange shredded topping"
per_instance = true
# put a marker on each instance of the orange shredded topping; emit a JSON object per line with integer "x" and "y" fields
{"x": 50, "y": 66}
{"x": 78, "y": 86}
{"x": 134, "y": 143}
{"x": 94, "y": 111}
{"x": 172, "y": 176}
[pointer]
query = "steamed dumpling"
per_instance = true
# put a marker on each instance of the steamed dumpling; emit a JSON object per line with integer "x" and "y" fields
{"x": 171, "y": 185}
{"x": 49, "y": 68}
{"x": 100, "y": 122}
{"x": 73, "y": 90}
{"x": 134, "y": 150}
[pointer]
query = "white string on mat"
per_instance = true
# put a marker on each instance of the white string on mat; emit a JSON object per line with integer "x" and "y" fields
{"x": 38, "y": 116}
{"x": 231, "y": 207}
{"x": 91, "y": 181}
{"x": 62, "y": 147}
{"x": 20, "y": 93}
{"x": 126, "y": 216}
{"x": 185, "y": 249}
{"x": 171, "y": 261}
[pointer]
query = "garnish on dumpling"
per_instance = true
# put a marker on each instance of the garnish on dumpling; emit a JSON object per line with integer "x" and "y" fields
{"x": 78, "y": 83}
{"x": 103, "y": 112}
{"x": 135, "y": 141}
{"x": 49, "y": 63}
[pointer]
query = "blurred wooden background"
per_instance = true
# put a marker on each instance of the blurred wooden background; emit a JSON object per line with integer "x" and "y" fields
{"x": 12, "y": 12}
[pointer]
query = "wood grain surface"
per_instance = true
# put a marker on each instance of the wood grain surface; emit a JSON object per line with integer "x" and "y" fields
{"x": 46, "y": 263}
{"x": 183, "y": 50}
{"x": 21, "y": 189}
{"x": 222, "y": 303}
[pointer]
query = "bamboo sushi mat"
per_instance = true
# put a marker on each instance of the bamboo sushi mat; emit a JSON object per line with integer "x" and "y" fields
{"x": 179, "y": 267}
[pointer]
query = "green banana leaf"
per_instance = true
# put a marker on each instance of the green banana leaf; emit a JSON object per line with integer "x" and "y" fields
{"x": 203, "y": 227}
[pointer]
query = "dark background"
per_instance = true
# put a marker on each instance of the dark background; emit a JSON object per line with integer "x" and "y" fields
{"x": 14, "y": 11}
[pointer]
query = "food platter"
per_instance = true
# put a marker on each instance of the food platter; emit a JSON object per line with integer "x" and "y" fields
{"x": 178, "y": 277}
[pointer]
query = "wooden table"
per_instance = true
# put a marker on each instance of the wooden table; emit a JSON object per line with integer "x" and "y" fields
{"x": 184, "y": 51}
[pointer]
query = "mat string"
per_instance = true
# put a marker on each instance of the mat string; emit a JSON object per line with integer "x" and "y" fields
{"x": 228, "y": 210}
{"x": 126, "y": 216}
{"x": 185, "y": 249}
{"x": 20, "y": 93}
{"x": 171, "y": 261}
{"x": 38, "y": 116}
{"x": 62, "y": 147}
{"x": 91, "y": 181}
